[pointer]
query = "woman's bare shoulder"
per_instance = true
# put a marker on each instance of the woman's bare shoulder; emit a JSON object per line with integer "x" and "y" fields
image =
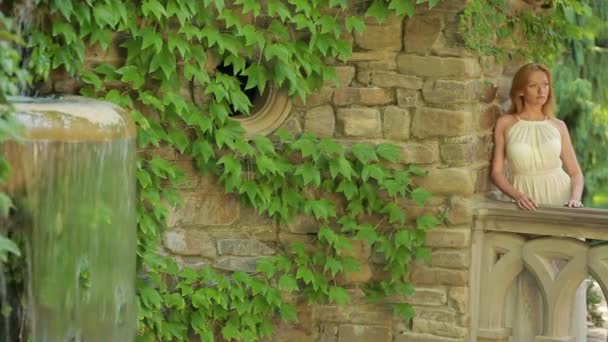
{"x": 559, "y": 124}
{"x": 505, "y": 121}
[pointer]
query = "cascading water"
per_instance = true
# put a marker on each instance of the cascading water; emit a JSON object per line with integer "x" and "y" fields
{"x": 73, "y": 183}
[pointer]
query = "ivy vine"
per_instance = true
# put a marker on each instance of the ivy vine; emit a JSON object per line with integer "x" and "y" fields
{"x": 167, "y": 44}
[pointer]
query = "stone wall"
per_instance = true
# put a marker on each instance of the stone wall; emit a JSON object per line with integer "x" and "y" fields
{"x": 409, "y": 82}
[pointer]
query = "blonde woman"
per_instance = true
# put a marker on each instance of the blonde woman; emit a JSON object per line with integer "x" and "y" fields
{"x": 536, "y": 147}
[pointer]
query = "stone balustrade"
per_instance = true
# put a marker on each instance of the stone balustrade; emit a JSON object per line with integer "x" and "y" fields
{"x": 548, "y": 244}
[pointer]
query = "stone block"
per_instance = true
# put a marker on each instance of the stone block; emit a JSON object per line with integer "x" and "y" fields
{"x": 438, "y": 328}
{"x": 189, "y": 242}
{"x": 292, "y": 125}
{"x": 396, "y": 123}
{"x": 363, "y": 96}
{"x": 381, "y": 37}
{"x": 359, "y": 122}
{"x": 416, "y": 337}
{"x": 438, "y": 67}
{"x": 421, "y": 32}
{"x": 438, "y": 314}
{"x": 366, "y": 56}
{"x": 207, "y": 209}
{"x": 243, "y": 247}
{"x": 487, "y": 119}
{"x": 449, "y": 181}
{"x": 382, "y": 78}
{"x": 301, "y": 224}
{"x": 319, "y": 97}
{"x": 328, "y": 333}
{"x": 448, "y": 237}
{"x": 428, "y": 296}
{"x": 460, "y": 210}
{"x": 363, "y": 333}
{"x": 433, "y": 122}
{"x": 446, "y": 93}
{"x": 458, "y": 259}
{"x": 424, "y": 275}
{"x": 457, "y": 153}
{"x": 345, "y": 75}
{"x": 419, "y": 153}
{"x": 458, "y": 298}
{"x": 246, "y": 264}
{"x": 320, "y": 121}
{"x": 408, "y": 98}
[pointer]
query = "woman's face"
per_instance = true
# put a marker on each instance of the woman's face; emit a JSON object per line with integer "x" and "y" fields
{"x": 536, "y": 91}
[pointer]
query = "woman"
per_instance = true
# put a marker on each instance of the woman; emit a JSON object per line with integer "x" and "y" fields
{"x": 536, "y": 146}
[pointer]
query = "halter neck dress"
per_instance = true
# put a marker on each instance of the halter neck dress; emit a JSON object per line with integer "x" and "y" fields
{"x": 533, "y": 151}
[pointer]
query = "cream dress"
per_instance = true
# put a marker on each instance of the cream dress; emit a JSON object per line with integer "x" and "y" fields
{"x": 533, "y": 151}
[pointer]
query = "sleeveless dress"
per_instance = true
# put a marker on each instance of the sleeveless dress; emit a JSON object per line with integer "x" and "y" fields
{"x": 533, "y": 151}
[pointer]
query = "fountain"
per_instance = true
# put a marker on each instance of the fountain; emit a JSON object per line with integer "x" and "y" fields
{"x": 73, "y": 183}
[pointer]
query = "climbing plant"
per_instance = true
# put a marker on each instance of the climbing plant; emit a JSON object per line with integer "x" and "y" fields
{"x": 167, "y": 46}
{"x": 12, "y": 77}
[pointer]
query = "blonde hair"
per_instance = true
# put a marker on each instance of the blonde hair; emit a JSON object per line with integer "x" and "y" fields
{"x": 520, "y": 81}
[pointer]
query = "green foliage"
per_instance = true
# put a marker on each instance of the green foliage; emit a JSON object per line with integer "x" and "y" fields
{"x": 169, "y": 45}
{"x": 532, "y": 33}
{"x": 583, "y": 99}
{"x": 12, "y": 77}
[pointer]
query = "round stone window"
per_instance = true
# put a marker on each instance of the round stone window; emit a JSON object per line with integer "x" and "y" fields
{"x": 269, "y": 111}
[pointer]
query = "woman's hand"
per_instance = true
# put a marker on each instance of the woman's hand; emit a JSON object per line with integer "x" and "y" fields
{"x": 526, "y": 203}
{"x": 574, "y": 203}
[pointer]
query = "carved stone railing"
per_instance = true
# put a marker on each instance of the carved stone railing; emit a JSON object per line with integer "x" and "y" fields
{"x": 547, "y": 243}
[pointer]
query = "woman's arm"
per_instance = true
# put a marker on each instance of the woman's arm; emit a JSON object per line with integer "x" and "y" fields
{"x": 498, "y": 168}
{"x": 568, "y": 157}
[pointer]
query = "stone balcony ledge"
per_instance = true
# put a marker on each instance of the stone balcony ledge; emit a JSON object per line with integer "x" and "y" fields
{"x": 502, "y": 216}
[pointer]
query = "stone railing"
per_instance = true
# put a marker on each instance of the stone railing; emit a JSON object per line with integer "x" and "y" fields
{"x": 546, "y": 243}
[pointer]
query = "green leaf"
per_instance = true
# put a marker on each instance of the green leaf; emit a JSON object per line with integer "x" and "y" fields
{"x": 276, "y": 7}
{"x": 151, "y": 38}
{"x": 309, "y": 173}
{"x": 388, "y": 152}
{"x": 406, "y": 311}
{"x": 423, "y": 254}
{"x": 379, "y": 10}
{"x": 288, "y": 312}
{"x": 395, "y": 213}
{"x": 288, "y": 283}
{"x": 367, "y": 233}
{"x": 231, "y": 331}
{"x": 133, "y": 75}
{"x": 372, "y": 171}
{"x": 420, "y": 196}
{"x": 402, "y": 7}
{"x": 264, "y": 144}
{"x": 364, "y": 153}
{"x": 153, "y": 7}
{"x": 426, "y": 222}
{"x": 348, "y": 188}
{"x": 321, "y": 209}
{"x": 333, "y": 266}
{"x": 5, "y": 205}
{"x": 8, "y": 246}
{"x": 354, "y": 23}
{"x": 267, "y": 267}
{"x": 305, "y": 274}
{"x": 339, "y": 295}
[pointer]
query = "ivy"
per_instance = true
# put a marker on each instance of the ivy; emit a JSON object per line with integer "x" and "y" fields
{"x": 171, "y": 45}
{"x": 12, "y": 78}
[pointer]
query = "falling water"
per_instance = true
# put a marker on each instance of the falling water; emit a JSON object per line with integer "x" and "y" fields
{"x": 73, "y": 181}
